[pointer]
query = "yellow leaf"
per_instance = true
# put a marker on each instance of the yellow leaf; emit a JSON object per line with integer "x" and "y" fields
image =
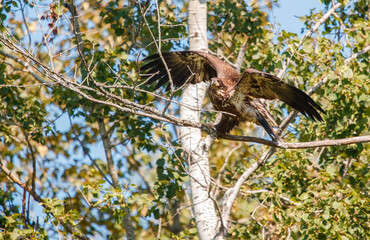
{"x": 43, "y": 150}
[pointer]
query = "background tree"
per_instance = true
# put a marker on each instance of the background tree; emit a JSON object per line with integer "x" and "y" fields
{"x": 89, "y": 151}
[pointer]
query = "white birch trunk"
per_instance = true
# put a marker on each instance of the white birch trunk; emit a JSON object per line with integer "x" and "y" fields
{"x": 191, "y": 138}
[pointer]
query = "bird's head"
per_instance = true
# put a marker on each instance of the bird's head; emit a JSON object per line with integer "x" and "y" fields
{"x": 217, "y": 89}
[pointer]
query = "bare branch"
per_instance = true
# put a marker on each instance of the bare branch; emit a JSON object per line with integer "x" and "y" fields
{"x": 45, "y": 38}
{"x": 222, "y": 169}
{"x": 25, "y": 64}
{"x": 240, "y": 58}
{"x": 108, "y": 152}
{"x": 344, "y": 29}
{"x": 33, "y": 157}
{"x": 158, "y": 47}
{"x": 19, "y": 182}
{"x": 355, "y": 55}
{"x": 85, "y": 150}
{"x": 77, "y": 32}
{"x": 232, "y": 193}
{"x": 298, "y": 145}
{"x": 147, "y": 111}
{"x": 253, "y": 192}
{"x": 307, "y": 35}
{"x": 35, "y": 196}
{"x": 128, "y": 106}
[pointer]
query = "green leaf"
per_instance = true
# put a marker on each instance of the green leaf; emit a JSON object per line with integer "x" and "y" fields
{"x": 337, "y": 205}
{"x": 347, "y": 72}
{"x": 156, "y": 213}
{"x": 2, "y": 16}
{"x": 326, "y": 214}
{"x": 160, "y": 162}
{"x": 321, "y": 236}
{"x": 307, "y": 46}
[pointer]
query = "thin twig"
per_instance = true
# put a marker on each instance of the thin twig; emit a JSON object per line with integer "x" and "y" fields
{"x": 36, "y": 197}
{"x": 25, "y": 64}
{"x": 222, "y": 169}
{"x": 253, "y": 192}
{"x": 127, "y": 222}
{"x": 307, "y": 35}
{"x": 86, "y": 151}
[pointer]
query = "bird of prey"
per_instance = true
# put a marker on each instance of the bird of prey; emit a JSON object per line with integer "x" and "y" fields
{"x": 236, "y": 96}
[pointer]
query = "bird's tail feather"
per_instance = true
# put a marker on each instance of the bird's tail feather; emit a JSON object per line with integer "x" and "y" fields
{"x": 261, "y": 107}
{"x": 274, "y": 136}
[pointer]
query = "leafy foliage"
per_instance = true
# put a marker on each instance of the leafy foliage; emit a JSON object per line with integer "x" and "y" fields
{"x": 51, "y": 140}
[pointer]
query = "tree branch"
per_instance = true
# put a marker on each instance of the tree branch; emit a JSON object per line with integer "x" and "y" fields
{"x": 147, "y": 111}
{"x": 19, "y": 182}
{"x": 86, "y": 151}
{"x": 232, "y": 193}
{"x": 127, "y": 222}
{"x": 309, "y": 34}
{"x": 127, "y": 105}
{"x": 36, "y": 197}
{"x": 241, "y": 54}
{"x": 25, "y": 64}
{"x": 298, "y": 145}
{"x": 253, "y": 192}
{"x": 355, "y": 55}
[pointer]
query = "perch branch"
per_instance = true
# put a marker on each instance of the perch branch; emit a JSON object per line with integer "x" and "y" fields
{"x": 298, "y": 145}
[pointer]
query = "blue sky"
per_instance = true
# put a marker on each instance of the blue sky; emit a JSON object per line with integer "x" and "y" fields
{"x": 289, "y": 10}
{"x": 286, "y": 15}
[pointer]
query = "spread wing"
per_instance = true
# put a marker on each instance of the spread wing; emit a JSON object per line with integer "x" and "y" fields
{"x": 184, "y": 66}
{"x": 263, "y": 85}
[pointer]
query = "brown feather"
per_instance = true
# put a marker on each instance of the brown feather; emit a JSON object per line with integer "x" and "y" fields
{"x": 263, "y": 85}
{"x": 185, "y": 67}
{"x": 235, "y": 95}
{"x": 264, "y": 111}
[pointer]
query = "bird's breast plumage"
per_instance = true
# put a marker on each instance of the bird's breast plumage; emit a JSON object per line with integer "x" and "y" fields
{"x": 243, "y": 107}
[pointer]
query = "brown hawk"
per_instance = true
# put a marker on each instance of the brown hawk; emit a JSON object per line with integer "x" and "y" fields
{"x": 236, "y": 96}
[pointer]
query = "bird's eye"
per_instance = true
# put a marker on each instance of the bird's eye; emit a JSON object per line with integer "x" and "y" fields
{"x": 218, "y": 83}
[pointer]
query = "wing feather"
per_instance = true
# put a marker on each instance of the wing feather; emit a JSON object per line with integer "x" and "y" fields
{"x": 185, "y": 66}
{"x": 263, "y": 85}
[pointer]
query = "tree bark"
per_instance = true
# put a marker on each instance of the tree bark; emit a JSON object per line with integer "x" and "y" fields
{"x": 196, "y": 148}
